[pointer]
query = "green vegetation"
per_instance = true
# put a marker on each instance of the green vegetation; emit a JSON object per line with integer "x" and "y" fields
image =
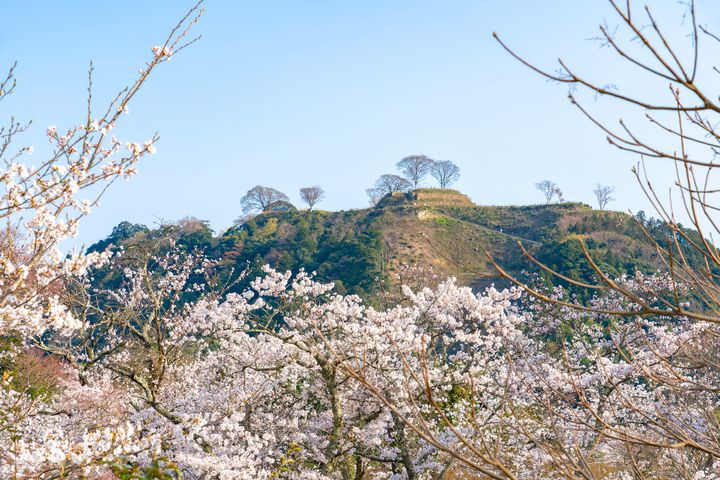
{"x": 360, "y": 250}
{"x": 344, "y": 247}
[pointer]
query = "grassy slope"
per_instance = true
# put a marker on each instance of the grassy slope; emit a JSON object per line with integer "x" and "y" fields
{"x": 444, "y": 230}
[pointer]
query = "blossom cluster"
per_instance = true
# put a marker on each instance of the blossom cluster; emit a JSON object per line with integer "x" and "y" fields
{"x": 52, "y": 423}
{"x": 290, "y": 376}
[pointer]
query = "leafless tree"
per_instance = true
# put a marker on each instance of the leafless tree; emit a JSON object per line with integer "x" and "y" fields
{"x": 685, "y": 434}
{"x": 390, "y": 183}
{"x": 603, "y": 195}
{"x": 549, "y": 190}
{"x": 445, "y": 172}
{"x": 685, "y": 133}
{"x": 414, "y": 168}
{"x": 260, "y": 198}
{"x": 83, "y": 161}
{"x": 312, "y": 195}
{"x": 374, "y": 195}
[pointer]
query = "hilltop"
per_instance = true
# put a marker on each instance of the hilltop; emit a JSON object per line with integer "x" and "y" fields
{"x": 363, "y": 250}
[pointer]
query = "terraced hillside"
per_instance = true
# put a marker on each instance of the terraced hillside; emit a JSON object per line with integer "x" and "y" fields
{"x": 445, "y": 230}
{"x": 363, "y": 250}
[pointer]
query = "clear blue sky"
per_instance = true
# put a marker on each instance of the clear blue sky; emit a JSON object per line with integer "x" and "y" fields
{"x": 294, "y": 93}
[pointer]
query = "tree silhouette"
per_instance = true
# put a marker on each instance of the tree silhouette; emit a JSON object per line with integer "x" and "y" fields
{"x": 312, "y": 195}
{"x": 549, "y": 190}
{"x": 414, "y": 168}
{"x": 260, "y": 198}
{"x": 603, "y": 194}
{"x": 390, "y": 183}
{"x": 445, "y": 172}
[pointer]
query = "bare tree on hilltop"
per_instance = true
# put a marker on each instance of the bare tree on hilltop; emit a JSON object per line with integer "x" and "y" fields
{"x": 390, "y": 183}
{"x": 445, "y": 172}
{"x": 549, "y": 190}
{"x": 374, "y": 195}
{"x": 603, "y": 194}
{"x": 414, "y": 168}
{"x": 260, "y": 198}
{"x": 312, "y": 195}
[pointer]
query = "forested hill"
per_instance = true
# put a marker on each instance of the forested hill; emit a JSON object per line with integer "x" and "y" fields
{"x": 364, "y": 250}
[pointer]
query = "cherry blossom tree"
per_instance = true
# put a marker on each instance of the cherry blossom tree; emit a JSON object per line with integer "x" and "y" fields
{"x": 288, "y": 377}
{"x": 145, "y": 362}
{"x": 252, "y": 384}
{"x": 636, "y": 381}
{"x": 41, "y": 204}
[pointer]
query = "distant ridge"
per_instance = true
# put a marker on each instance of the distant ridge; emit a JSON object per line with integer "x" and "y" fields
{"x": 364, "y": 250}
